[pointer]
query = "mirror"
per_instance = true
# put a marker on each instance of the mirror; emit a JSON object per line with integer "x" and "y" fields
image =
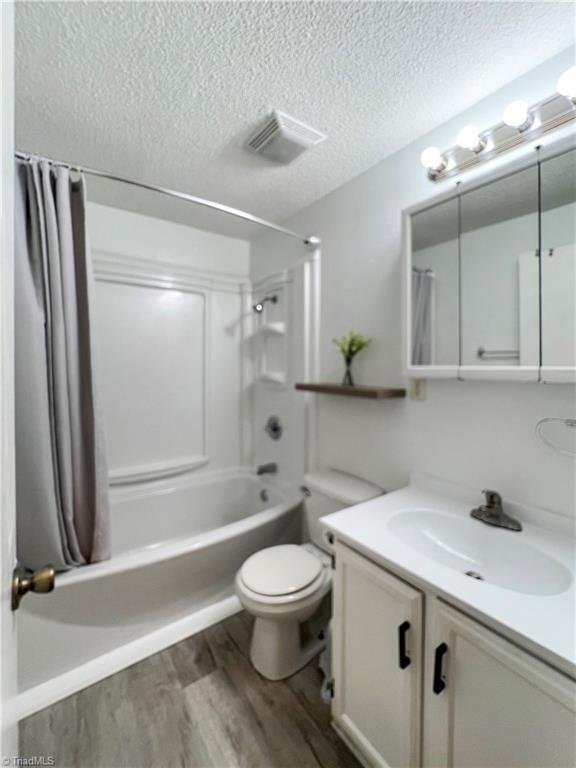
{"x": 492, "y": 278}
{"x": 558, "y": 194}
{"x": 434, "y": 286}
{"x": 499, "y": 272}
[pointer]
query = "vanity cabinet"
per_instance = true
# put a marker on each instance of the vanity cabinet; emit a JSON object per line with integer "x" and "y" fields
{"x": 498, "y": 706}
{"x": 467, "y": 698}
{"x": 377, "y": 661}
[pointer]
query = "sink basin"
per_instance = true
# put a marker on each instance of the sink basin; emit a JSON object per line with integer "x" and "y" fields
{"x": 493, "y": 555}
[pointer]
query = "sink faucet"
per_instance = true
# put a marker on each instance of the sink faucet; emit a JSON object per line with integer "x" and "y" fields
{"x": 267, "y": 469}
{"x": 492, "y": 513}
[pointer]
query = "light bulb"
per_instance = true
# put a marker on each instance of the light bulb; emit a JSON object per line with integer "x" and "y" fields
{"x": 432, "y": 159}
{"x": 469, "y": 138}
{"x": 516, "y": 115}
{"x": 567, "y": 84}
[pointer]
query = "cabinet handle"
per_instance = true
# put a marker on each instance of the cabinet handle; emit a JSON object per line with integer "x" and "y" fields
{"x": 403, "y": 659}
{"x": 438, "y": 685}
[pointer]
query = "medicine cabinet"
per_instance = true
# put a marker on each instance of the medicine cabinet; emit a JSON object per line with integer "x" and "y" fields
{"x": 491, "y": 277}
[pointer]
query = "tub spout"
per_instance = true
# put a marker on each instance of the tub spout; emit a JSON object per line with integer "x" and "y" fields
{"x": 267, "y": 469}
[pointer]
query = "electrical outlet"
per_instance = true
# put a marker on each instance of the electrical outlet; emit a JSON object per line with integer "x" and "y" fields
{"x": 418, "y": 389}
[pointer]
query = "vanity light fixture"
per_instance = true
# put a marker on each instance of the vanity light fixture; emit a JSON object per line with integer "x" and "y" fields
{"x": 522, "y": 123}
{"x": 432, "y": 160}
{"x": 517, "y": 115}
{"x": 469, "y": 138}
{"x": 567, "y": 84}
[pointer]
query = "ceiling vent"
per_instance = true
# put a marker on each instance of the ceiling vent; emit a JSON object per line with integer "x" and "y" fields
{"x": 282, "y": 138}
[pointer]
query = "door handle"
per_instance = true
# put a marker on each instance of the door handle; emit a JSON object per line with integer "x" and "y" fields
{"x": 403, "y": 658}
{"x": 439, "y": 683}
{"x": 40, "y": 581}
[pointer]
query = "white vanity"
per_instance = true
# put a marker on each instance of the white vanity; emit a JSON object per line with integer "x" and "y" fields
{"x": 436, "y": 667}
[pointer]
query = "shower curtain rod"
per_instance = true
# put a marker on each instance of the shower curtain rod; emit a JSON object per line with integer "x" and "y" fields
{"x": 310, "y": 242}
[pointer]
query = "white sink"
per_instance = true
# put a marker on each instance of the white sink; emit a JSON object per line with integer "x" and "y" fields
{"x": 494, "y": 555}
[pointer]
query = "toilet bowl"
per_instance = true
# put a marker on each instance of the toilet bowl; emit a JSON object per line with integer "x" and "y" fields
{"x": 283, "y": 587}
{"x": 287, "y": 587}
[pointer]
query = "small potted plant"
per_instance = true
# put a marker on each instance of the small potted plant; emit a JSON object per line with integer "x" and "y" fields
{"x": 349, "y": 346}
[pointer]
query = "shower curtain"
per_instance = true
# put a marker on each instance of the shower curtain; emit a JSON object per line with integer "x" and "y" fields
{"x": 422, "y": 284}
{"x": 61, "y": 472}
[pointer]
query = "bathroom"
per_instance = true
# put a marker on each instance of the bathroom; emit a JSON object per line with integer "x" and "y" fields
{"x": 319, "y": 432}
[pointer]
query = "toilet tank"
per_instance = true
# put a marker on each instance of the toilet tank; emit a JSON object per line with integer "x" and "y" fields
{"x": 330, "y": 491}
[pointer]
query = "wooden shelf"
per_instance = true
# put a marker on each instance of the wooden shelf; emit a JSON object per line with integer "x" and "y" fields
{"x": 369, "y": 393}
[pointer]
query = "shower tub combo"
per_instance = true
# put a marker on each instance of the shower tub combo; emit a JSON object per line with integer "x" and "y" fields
{"x": 176, "y": 547}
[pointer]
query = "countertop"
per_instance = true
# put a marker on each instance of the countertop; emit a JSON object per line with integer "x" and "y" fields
{"x": 542, "y": 624}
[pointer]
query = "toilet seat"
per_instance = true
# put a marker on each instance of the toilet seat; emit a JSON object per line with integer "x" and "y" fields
{"x": 280, "y": 571}
{"x": 290, "y": 600}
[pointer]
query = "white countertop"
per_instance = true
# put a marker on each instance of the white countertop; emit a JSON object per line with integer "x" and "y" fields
{"x": 543, "y": 624}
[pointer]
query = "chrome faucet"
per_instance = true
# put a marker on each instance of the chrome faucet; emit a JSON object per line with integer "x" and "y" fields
{"x": 267, "y": 469}
{"x": 492, "y": 513}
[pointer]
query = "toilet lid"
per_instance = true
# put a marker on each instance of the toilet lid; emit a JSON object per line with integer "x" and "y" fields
{"x": 280, "y": 570}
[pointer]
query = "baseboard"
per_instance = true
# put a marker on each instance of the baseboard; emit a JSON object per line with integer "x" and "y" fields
{"x": 352, "y": 746}
{"x": 40, "y": 696}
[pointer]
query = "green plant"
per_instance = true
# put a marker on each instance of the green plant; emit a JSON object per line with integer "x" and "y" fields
{"x": 351, "y": 344}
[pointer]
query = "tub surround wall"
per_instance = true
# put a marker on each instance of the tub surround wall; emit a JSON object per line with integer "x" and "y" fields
{"x": 477, "y": 434}
{"x": 170, "y": 304}
{"x": 282, "y": 261}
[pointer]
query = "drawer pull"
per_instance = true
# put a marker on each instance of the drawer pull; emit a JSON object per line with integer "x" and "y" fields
{"x": 403, "y": 658}
{"x": 439, "y": 683}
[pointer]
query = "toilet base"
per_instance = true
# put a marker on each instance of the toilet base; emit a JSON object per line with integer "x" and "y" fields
{"x": 277, "y": 650}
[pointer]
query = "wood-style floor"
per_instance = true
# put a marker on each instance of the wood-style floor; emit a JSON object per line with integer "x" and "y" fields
{"x": 197, "y": 704}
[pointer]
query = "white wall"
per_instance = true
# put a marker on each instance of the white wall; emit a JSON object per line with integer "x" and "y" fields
{"x": 478, "y": 434}
{"x": 8, "y": 652}
{"x": 147, "y": 237}
{"x": 169, "y": 308}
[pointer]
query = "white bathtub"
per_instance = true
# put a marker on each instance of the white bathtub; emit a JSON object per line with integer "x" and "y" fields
{"x": 176, "y": 547}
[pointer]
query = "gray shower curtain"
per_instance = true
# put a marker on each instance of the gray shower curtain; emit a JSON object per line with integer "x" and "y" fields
{"x": 61, "y": 472}
{"x": 422, "y": 284}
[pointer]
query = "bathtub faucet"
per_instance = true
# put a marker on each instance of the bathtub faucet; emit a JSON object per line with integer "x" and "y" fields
{"x": 267, "y": 469}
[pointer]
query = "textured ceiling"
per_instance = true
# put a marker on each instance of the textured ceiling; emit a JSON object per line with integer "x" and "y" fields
{"x": 168, "y": 92}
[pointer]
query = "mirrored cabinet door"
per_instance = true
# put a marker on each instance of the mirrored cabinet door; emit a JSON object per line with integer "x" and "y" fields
{"x": 499, "y": 241}
{"x": 433, "y": 288}
{"x": 558, "y": 231}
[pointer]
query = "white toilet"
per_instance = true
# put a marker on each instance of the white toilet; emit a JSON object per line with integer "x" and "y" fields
{"x": 284, "y": 587}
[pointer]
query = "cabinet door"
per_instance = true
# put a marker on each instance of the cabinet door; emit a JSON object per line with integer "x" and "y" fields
{"x": 490, "y": 704}
{"x": 377, "y": 661}
{"x": 558, "y": 267}
{"x": 499, "y": 283}
{"x": 432, "y": 284}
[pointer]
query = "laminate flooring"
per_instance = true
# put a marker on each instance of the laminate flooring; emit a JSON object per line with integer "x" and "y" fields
{"x": 198, "y": 704}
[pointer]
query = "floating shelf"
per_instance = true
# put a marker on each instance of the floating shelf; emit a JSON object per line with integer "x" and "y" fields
{"x": 369, "y": 393}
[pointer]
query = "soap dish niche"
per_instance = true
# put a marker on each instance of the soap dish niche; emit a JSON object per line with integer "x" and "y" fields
{"x": 270, "y": 334}
{"x": 272, "y": 377}
{"x": 277, "y": 328}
